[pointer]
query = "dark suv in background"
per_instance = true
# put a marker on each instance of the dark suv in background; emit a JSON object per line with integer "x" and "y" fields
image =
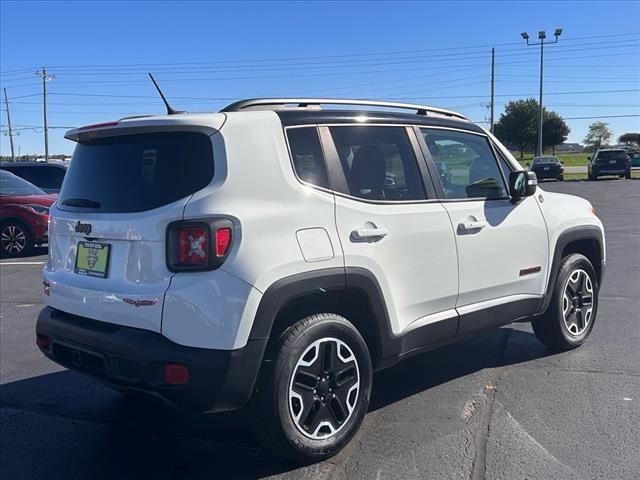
{"x": 46, "y": 175}
{"x": 609, "y": 161}
{"x": 547, "y": 167}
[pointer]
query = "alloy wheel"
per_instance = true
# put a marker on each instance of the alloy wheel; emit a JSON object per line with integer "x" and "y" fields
{"x": 13, "y": 239}
{"x": 577, "y": 302}
{"x": 324, "y": 388}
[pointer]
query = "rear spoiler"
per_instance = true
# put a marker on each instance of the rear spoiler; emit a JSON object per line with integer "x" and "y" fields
{"x": 205, "y": 123}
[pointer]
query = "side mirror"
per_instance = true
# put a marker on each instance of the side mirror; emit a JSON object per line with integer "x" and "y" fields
{"x": 522, "y": 184}
{"x": 589, "y": 157}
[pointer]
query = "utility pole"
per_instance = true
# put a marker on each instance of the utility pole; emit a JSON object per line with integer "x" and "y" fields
{"x": 45, "y": 78}
{"x": 493, "y": 77}
{"x": 6, "y": 104}
{"x": 541, "y": 36}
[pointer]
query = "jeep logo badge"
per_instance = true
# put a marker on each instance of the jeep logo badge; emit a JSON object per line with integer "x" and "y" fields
{"x": 83, "y": 228}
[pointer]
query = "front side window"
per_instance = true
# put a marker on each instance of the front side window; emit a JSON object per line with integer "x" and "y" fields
{"x": 378, "y": 163}
{"x": 306, "y": 152}
{"x": 466, "y": 165}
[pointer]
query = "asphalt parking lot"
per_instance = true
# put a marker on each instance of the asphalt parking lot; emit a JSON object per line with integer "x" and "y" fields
{"x": 500, "y": 406}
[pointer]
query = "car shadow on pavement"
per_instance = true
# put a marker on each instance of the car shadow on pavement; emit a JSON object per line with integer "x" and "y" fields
{"x": 41, "y": 250}
{"x": 108, "y": 435}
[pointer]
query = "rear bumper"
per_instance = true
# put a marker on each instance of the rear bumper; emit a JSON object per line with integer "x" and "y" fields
{"x": 606, "y": 170}
{"x": 131, "y": 358}
{"x": 542, "y": 174}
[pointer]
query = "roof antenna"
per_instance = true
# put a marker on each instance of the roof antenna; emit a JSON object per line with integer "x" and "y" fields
{"x": 170, "y": 111}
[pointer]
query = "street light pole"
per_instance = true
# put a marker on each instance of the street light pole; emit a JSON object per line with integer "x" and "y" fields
{"x": 541, "y": 119}
{"x": 541, "y": 36}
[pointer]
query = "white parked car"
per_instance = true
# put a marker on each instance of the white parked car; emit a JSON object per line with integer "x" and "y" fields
{"x": 262, "y": 256}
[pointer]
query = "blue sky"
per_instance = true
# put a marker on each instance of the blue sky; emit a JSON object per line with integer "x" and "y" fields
{"x": 207, "y": 54}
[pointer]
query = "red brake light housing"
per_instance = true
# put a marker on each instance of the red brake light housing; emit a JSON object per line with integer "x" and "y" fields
{"x": 198, "y": 245}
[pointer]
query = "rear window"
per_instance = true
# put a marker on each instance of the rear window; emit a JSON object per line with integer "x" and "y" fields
{"x": 540, "y": 160}
{"x": 133, "y": 173}
{"x": 612, "y": 155}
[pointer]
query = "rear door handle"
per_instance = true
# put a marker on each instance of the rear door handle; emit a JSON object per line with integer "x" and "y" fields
{"x": 471, "y": 225}
{"x": 369, "y": 233}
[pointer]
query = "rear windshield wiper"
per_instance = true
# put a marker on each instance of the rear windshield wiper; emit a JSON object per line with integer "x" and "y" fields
{"x": 81, "y": 202}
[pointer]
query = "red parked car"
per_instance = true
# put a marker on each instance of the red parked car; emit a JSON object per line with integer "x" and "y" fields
{"x": 24, "y": 215}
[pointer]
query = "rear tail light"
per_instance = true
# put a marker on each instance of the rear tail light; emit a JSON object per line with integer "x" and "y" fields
{"x": 198, "y": 245}
{"x": 223, "y": 241}
{"x": 193, "y": 248}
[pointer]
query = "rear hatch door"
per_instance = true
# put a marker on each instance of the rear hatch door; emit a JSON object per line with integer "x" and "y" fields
{"x": 612, "y": 160}
{"x": 107, "y": 232}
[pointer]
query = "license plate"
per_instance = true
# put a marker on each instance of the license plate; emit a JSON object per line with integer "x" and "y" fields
{"x": 545, "y": 168}
{"x": 612, "y": 161}
{"x": 92, "y": 259}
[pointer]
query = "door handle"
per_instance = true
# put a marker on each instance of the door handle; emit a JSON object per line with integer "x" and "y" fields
{"x": 369, "y": 233}
{"x": 471, "y": 225}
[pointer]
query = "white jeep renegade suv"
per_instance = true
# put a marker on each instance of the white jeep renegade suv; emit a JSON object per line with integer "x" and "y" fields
{"x": 275, "y": 254}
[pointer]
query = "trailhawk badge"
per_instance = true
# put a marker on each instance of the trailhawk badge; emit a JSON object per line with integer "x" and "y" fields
{"x": 140, "y": 303}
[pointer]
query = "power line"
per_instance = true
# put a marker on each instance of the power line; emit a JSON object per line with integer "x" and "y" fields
{"x": 602, "y": 116}
{"x": 306, "y": 58}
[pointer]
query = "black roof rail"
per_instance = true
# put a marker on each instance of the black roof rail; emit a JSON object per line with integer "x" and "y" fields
{"x": 254, "y": 103}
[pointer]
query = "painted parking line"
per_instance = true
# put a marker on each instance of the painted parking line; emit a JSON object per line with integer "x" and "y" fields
{"x": 22, "y": 263}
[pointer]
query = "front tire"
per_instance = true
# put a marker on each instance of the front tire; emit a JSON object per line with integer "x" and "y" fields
{"x": 311, "y": 400}
{"x": 15, "y": 239}
{"x": 628, "y": 175}
{"x": 572, "y": 312}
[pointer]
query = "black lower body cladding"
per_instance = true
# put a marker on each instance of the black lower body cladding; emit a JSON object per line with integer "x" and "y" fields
{"x": 131, "y": 358}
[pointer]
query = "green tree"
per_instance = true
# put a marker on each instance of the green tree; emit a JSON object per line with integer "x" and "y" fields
{"x": 629, "y": 138}
{"x": 517, "y": 125}
{"x": 599, "y": 134}
{"x": 554, "y": 130}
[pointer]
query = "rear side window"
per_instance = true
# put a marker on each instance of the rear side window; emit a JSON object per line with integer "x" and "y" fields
{"x": 379, "y": 163}
{"x": 133, "y": 173}
{"x": 306, "y": 152}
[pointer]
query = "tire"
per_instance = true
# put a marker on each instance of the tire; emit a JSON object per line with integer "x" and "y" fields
{"x": 15, "y": 239}
{"x": 569, "y": 318}
{"x": 628, "y": 175}
{"x": 593, "y": 177}
{"x": 280, "y": 419}
{"x": 561, "y": 178}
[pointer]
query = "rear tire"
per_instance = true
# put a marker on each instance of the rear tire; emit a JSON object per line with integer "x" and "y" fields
{"x": 572, "y": 312}
{"x": 311, "y": 400}
{"x": 15, "y": 239}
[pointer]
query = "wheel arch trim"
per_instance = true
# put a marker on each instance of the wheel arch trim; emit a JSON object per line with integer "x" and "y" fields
{"x": 565, "y": 239}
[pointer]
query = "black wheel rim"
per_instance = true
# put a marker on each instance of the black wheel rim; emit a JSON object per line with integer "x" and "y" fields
{"x": 578, "y": 302}
{"x": 324, "y": 388}
{"x": 13, "y": 239}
